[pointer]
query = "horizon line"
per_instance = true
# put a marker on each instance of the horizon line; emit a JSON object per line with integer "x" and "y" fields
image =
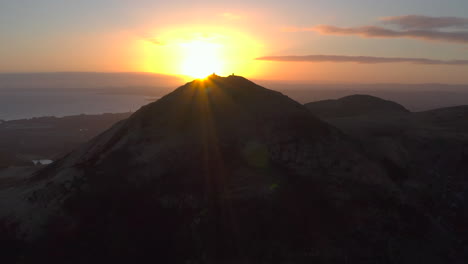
{"x": 184, "y": 77}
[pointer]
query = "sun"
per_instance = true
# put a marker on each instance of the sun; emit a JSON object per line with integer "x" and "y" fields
{"x": 197, "y": 52}
{"x": 201, "y": 58}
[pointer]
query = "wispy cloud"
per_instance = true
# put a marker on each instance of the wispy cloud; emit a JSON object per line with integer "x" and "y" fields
{"x": 361, "y": 59}
{"x": 381, "y": 32}
{"x": 442, "y": 29}
{"x": 425, "y": 22}
{"x": 156, "y": 41}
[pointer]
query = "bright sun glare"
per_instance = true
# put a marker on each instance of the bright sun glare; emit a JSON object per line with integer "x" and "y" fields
{"x": 201, "y": 59}
{"x": 191, "y": 54}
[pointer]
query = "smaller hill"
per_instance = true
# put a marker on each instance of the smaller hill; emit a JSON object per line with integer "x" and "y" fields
{"x": 453, "y": 119}
{"x": 355, "y": 105}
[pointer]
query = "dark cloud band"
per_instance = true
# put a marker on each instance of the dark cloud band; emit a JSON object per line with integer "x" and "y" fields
{"x": 442, "y": 29}
{"x": 380, "y": 32}
{"x": 425, "y": 22}
{"x": 361, "y": 59}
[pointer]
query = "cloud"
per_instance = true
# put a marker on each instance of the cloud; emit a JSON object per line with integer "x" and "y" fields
{"x": 442, "y": 29}
{"x": 381, "y": 32}
{"x": 425, "y": 22}
{"x": 361, "y": 59}
{"x": 155, "y": 41}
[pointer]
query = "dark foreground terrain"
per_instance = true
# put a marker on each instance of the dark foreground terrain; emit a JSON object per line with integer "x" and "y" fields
{"x": 22, "y": 141}
{"x": 225, "y": 171}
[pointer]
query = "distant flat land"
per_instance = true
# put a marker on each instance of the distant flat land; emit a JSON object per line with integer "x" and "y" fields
{"x": 22, "y": 141}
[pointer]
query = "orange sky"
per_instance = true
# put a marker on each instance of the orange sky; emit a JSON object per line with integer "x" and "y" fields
{"x": 196, "y": 41}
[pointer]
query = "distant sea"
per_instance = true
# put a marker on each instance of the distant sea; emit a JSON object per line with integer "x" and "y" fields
{"x": 28, "y": 103}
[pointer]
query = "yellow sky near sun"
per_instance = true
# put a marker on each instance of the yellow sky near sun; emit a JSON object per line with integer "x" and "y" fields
{"x": 199, "y": 52}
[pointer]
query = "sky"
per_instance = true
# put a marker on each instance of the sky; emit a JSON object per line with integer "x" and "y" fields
{"x": 357, "y": 41}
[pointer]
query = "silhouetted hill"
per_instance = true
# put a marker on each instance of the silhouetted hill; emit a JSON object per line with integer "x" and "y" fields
{"x": 354, "y": 105}
{"x": 452, "y": 118}
{"x": 219, "y": 171}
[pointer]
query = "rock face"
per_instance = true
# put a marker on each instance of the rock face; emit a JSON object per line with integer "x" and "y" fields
{"x": 354, "y": 105}
{"x": 219, "y": 171}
